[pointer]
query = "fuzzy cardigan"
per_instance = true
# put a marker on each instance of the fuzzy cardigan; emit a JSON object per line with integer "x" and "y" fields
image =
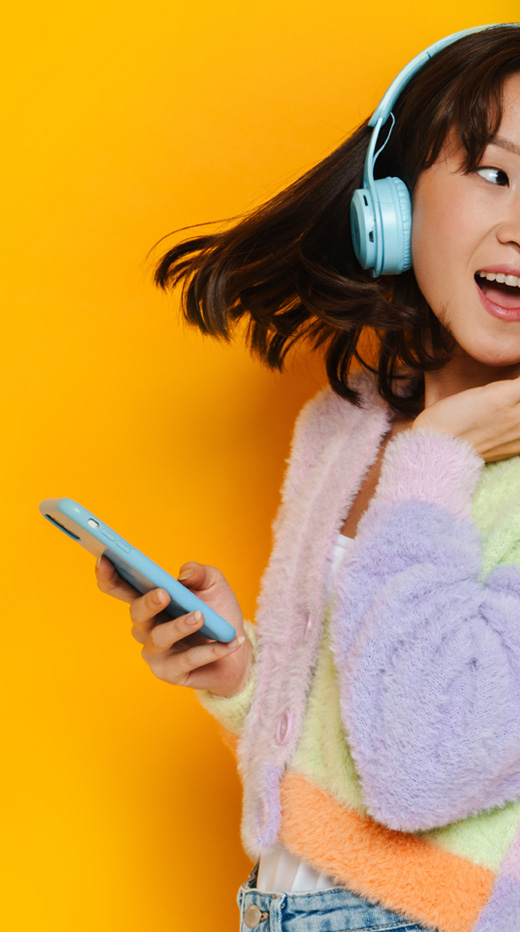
{"x": 379, "y": 734}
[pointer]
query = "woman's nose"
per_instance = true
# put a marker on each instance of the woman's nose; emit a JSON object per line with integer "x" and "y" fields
{"x": 509, "y": 227}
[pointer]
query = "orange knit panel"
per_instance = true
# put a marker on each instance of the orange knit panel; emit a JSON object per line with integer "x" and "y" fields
{"x": 403, "y": 872}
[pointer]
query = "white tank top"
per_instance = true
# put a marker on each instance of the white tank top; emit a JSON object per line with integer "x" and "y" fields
{"x": 280, "y": 871}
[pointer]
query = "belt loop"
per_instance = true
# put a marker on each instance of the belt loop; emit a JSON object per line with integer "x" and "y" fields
{"x": 276, "y": 905}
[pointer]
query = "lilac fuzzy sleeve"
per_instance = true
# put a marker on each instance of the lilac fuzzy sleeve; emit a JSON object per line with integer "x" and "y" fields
{"x": 428, "y": 656}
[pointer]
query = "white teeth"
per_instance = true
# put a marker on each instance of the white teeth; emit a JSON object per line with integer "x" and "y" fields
{"x": 513, "y": 280}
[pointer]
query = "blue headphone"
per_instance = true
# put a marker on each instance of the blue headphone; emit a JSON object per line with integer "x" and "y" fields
{"x": 381, "y": 211}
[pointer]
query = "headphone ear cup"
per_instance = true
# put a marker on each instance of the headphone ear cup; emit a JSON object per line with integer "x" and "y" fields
{"x": 363, "y": 227}
{"x": 392, "y": 198}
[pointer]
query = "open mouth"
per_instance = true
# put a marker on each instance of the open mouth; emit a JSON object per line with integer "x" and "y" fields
{"x": 502, "y": 290}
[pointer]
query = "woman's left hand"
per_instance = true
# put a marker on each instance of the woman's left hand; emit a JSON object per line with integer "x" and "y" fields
{"x": 487, "y": 417}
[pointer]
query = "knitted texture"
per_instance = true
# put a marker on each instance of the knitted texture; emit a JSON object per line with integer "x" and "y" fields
{"x": 390, "y": 719}
{"x": 231, "y": 710}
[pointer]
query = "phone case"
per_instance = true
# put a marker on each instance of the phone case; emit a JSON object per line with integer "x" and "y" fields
{"x": 98, "y": 538}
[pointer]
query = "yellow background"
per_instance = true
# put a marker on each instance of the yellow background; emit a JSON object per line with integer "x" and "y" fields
{"x": 125, "y": 122}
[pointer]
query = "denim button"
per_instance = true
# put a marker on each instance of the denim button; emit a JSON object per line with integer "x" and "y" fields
{"x": 283, "y": 728}
{"x": 252, "y": 916}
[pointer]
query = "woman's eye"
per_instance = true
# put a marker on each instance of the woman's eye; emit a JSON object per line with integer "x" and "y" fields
{"x": 494, "y": 175}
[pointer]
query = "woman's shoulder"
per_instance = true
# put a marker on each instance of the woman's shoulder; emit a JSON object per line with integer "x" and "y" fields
{"x": 324, "y": 419}
{"x": 330, "y": 408}
{"x": 333, "y": 408}
{"x": 327, "y": 412}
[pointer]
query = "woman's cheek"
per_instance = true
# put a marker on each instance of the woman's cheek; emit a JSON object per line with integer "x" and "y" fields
{"x": 424, "y": 261}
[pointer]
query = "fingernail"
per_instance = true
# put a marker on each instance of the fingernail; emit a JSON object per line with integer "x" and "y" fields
{"x": 185, "y": 575}
{"x": 159, "y": 595}
{"x": 194, "y": 618}
{"x": 236, "y": 642}
{"x": 98, "y": 561}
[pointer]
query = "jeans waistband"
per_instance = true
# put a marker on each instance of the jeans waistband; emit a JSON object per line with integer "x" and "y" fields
{"x": 336, "y": 909}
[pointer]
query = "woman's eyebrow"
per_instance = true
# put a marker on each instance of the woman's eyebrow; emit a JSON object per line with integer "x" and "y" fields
{"x": 505, "y": 144}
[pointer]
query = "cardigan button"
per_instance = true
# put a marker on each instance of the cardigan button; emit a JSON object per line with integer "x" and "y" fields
{"x": 283, "y": 728}
{"x": 308, "y": 626}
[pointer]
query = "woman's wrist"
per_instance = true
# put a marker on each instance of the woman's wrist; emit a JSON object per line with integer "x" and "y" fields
{"x": 422, "y": 422}
{"x": 231, "y": 710}
{"x": 235, "y": 689}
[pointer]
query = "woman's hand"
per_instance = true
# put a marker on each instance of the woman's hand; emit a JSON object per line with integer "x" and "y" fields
{"x": 487, "y": 417}
{"x": 171, "y": 647}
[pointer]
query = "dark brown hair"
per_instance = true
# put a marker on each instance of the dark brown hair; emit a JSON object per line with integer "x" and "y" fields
{"x": 288, "y": 268}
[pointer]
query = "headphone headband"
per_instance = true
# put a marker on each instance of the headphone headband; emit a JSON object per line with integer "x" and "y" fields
{"x": 384, "y": 108}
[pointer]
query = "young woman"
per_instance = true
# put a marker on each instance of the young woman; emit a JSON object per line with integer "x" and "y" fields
{"x": 376, "y": 713}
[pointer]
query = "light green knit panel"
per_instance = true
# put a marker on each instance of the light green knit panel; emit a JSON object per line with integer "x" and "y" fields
{"x": 323, "y": 754}
{"x": 483, "y": 839}
{"x": 231, "y": 711}
{"x": 496, "y": 512}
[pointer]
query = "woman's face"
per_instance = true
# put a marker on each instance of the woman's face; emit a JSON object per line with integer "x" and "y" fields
{"x": 465, "y": 231}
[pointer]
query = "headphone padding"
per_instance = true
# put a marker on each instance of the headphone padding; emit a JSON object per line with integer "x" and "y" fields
{"x": 406, "y": 219}
{"x": 395, "y": 212}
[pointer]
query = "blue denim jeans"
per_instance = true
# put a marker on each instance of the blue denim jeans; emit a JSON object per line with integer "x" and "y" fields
{"x": 335, "y": 910}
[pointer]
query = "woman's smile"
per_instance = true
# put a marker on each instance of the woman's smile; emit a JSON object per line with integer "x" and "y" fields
{"x": 499, "y": 291}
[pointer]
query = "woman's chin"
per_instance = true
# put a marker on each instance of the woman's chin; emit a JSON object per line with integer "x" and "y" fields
{"x": 508, "y": 362}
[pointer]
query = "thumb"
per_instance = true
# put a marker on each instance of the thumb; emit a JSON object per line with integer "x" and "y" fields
{"x": 198, "y": 576}
{"x": 188, "y": 570}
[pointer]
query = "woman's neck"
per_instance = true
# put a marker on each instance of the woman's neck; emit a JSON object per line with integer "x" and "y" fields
{"x": 461, "y": 373}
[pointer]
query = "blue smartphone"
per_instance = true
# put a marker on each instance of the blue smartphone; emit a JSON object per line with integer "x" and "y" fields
{"x": 142, "y": 573}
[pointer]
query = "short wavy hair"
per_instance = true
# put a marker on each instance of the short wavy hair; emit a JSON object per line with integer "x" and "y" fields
{"x": 288, "y": 268}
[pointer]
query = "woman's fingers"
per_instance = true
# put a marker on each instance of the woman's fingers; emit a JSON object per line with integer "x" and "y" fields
{"x": 487, "y": 417}
{"x": 110, "y": 582}
{"x": 210, "y": 585}
{"x": 160, "y": 637}
{"x": 199, "y": 576}
{"x": 177, "y": 668}
{"x": 173, "y": 648}
{"x": 163, "y": 637}
{"x": 145, "y": 607}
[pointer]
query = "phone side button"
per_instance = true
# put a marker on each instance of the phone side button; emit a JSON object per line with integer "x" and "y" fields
{"x": 106, "y": 533}
{"x": 122, "y": 546}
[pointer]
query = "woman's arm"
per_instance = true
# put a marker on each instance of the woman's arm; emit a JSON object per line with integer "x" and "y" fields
{"x": 429, "y": 656}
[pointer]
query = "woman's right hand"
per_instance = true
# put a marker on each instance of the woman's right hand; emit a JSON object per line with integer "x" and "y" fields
{"x": 171, "y": 647}
{"x": 487, "y": 417}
